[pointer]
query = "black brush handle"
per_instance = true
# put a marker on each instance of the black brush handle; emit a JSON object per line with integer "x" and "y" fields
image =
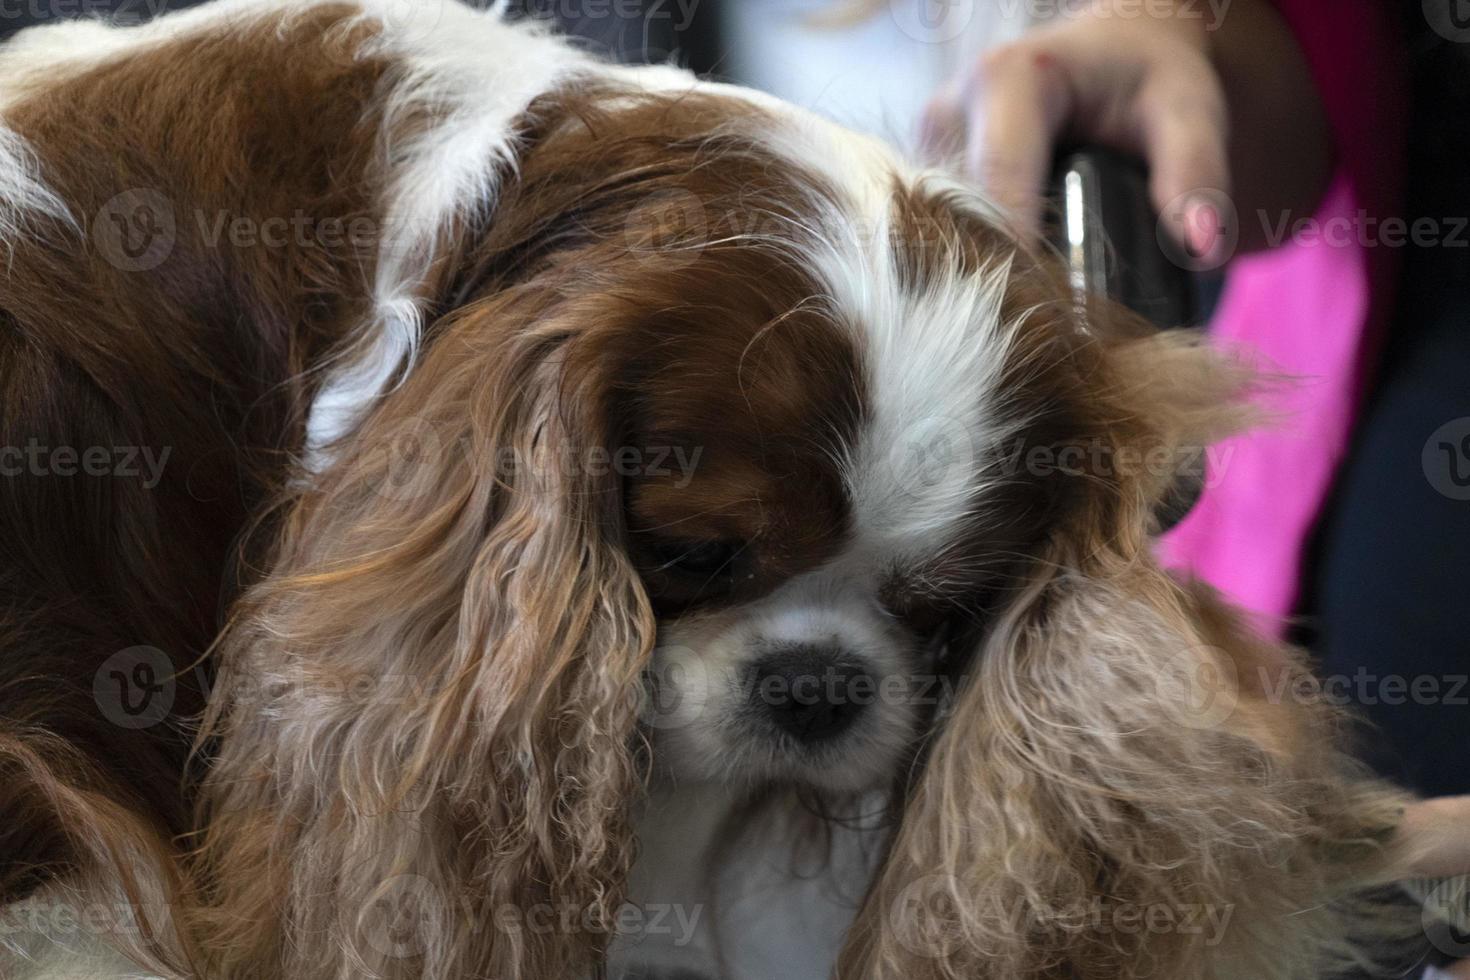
{"x": 1108, "y": 235}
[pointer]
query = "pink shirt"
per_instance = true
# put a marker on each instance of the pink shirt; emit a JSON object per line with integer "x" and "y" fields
{"x": 1313, "y": 309}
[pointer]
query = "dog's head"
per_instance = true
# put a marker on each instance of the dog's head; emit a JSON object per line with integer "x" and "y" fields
{"x": 816, "y": 404}
{"x": 739, "y": 439}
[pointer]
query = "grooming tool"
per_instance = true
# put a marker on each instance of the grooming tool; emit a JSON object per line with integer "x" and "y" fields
{"x": 1108, "y": 235}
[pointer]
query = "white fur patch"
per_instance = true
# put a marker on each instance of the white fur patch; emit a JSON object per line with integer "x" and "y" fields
{"x": 24, "y": 197}
{"x": 932, "y": 360}
{"x": 751, "y": 911}
{"x": 933, "y": 363}
{"x": 49, "y": 937}
{"x": 478, "y": 73}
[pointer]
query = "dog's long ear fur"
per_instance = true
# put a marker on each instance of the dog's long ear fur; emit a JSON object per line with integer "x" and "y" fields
{"x": 1131, "y": 783}
{"x": 426, "y": 710}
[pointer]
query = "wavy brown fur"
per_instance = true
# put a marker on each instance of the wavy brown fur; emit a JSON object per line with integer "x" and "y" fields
{"x": 428, "y": 702}
{"x": 491, "y": 759}
{"x": 1083, "y": 774}
{"x": 452, "y": 554}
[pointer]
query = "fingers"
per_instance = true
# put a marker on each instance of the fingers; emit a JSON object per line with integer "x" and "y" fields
{"x": 1002, "y": 123}
{"x": 942, "y": 127}
{"x": 1013, "y": 127}
{"x": 1186, "y": 145}
{"x": 1146, "y": 88}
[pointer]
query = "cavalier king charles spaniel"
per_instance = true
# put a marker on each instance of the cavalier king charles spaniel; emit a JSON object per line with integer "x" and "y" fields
{"x": 600, "y": 522}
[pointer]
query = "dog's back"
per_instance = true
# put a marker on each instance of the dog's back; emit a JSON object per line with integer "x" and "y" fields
{"x": 150, "y": 397}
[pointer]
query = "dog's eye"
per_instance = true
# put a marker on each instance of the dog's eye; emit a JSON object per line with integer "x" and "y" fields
{"x": 923, "y": 616}
{"x": 697, "y": 557}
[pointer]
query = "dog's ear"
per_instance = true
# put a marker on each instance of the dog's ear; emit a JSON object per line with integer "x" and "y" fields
{"x": 1130, "y": 783}
{"x": 426, "y": 710}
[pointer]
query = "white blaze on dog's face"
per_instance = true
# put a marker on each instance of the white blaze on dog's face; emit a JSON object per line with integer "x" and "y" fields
{"x": 845, "y": 501}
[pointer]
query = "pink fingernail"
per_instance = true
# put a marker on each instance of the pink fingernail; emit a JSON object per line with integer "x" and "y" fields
{"x": 1202, "y": 228}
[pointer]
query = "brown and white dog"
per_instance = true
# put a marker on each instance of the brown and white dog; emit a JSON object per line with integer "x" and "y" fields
{"x": 604, "y": 521}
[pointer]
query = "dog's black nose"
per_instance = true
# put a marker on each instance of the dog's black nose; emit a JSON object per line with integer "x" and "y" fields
{"x": 811, "y": 694}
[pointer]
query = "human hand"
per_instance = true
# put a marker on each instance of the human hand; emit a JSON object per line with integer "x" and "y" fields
{"x": 1436, "y": 837}
{"x": 1170, "y": 87}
